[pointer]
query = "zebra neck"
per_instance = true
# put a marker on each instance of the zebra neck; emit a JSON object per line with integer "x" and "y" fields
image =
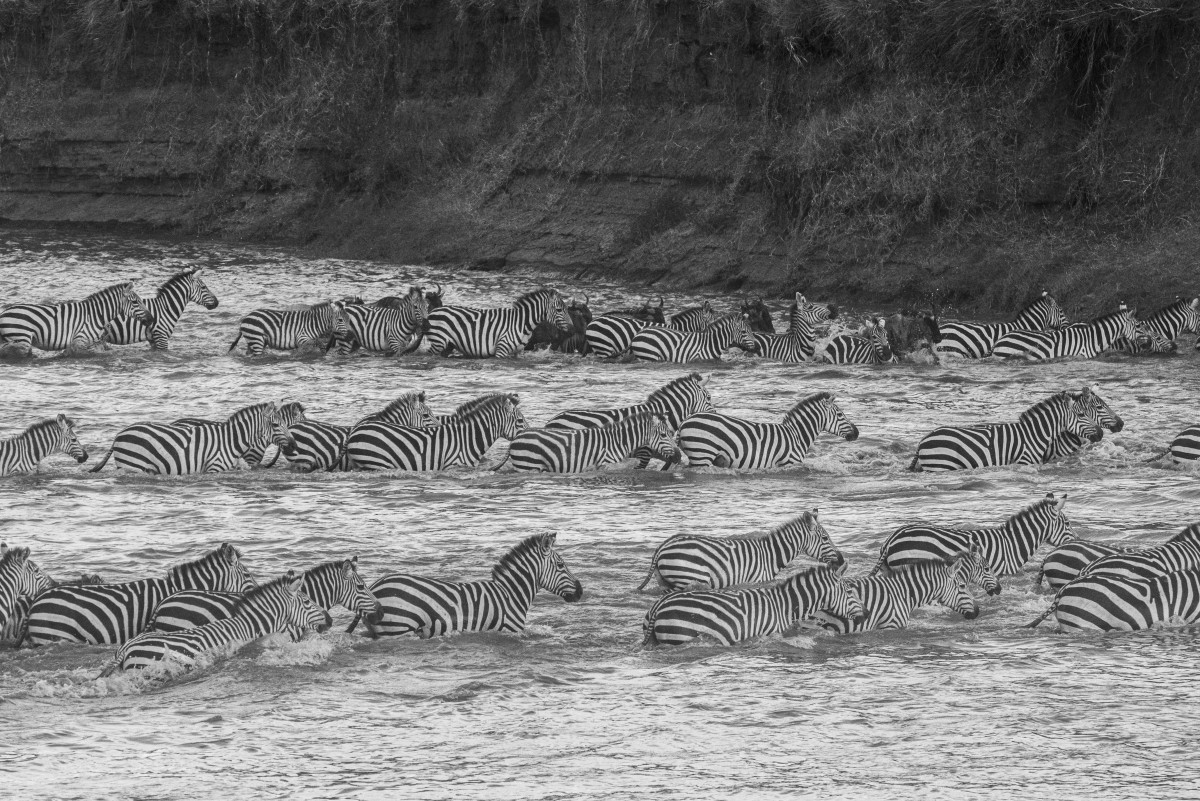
{"x": 805, "y": 432}
{"x": 784, "y": 544}
{"x": 477, "y": 436}
{"x": 1015, "y": 543}
{"x": 167, "y": 309}
{"x": 34, "y": 448}
{"x": 519, "y": 589}
{"x": 318, "y": 591}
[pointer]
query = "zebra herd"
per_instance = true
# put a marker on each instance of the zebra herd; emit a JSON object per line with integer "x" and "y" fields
{"x": 722, "y": 589}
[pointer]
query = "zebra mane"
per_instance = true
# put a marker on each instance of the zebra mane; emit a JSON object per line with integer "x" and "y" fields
{"x": 537, "y": 293}
{"x": 336, "y": 566}
{"x": 765, "y": 535}
{"x": 49, "y": 425}
{"x": 408, "y": 399}
{"x": 515, "y": 553}
{"x": 247, "y": 411}
{"x": 811, "y": 400}
{"x": 483, "y": 401}
{"x": 270, "y": 588}
{"x": 178, "y": 277}
{"x": 637, "y": 418}
{"x": 1046, "y": 403}
{"x": 808, "y": 570}
{"x": 111, "y": 289}
{"x": 210, "y": 558}
{"x": 1030, "y": 511}
{"x": 12, "y": 555}
{"x": 915, "y": 567}
{"x": 665, "y": 390}
{"x": 1189, "y": 534}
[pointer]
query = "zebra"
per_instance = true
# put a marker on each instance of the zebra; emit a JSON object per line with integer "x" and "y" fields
{"x": 24, "y": 452}
{"x": 558, "y": 450}
{"x": 165, "y": 308}
{"x": 430, "y": 607}
{"x": 502, "y": 333}
{"x": 388, "y": 330}
{"x": 889, "y": 598}
{"x": 176, "y": 450}
{"x": 1064, "y": 563}
{"x": 383, "y": 446}
{"x": 20, "y": 579}
{"x": 694, "y": 561}
{"x": 1093, "y": 405}
{"x": 1114, "y": 603}
{"x": 869, "y": 348}
{"x": 976, "y": 340}
{"x": 547, "y": 335}
{"x": 610, "y": 334}
{"x": 71, "y": 325}
{"x": 799, "y": 343}
{"x": 282, "y": 329}
{"x": 717, "y": 439}
{"x": 1186, "y": 445}
{"x": 694, "y": 320}
{"x": 1030, "y": 440}
{"x": 1005, "y": 548}
{"x": 105, "y": 614}
{"x": 321, "y": 445}
{"x": 1086, "y": 340}
{"x": 658, "y": 344}
{"x": 290, "y": 414}
{"x": 277, "y": 606}
{"x": 327, "y": 585}
{"x": 1175, "y": 319}
{"x": 733, "y": 616}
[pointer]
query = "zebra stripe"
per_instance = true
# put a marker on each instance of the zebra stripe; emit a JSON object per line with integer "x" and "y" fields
{"x": 1005, "y": 548}
{"x": 869, "y": 348}
{"x": 799, "y": 343}
{"x": 69, "y": 325}
{"x": 693, "y": 561}
{"x": 1031, "y": 440}
{"x": 1181, "y": 552}
{"x": 165, "y": 309}
{"x": 1086, "y": 339}
{"x": 571, "y": 341}
{"x": 323, "y": 445}
{"x": 20, "y": 579}
{"x": 275, "y": 607}
{"x": 430, "y": 607}
{"x": 388, "y": 330}
{"x": 289, "y": 414}
{"x": 1094, "y": 408}
{"x": 24, "y": 452}
{"x": 694, "y": 320}
{"x": 889, "y": 598}
{"x": 559, "y": 450}
{"x": 175, "y": 450}
{"x": 733, "y": 616}
{"x": 976, "y": 340}
{"x": 724, "y": 441}
{"x": 327, "y": 585}
{"x": 1186, "y": 445}
{"x": 611, "y": 334}
{"x": 1113, "y": 603}
{"x": 113, "y": 613}
{"x": 658, "y": 344}
{"x": 281, "y": 329}
{"x": 502, "y": 333}
{"x": 384, "y": 446}
{"x": 1067, "y": 561}
{"x": 1175, "y": 319}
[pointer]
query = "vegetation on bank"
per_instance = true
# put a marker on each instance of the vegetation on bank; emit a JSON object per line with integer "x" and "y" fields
{"x": 826, "y": 132}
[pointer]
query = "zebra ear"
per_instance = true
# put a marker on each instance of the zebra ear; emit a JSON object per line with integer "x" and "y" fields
{"x": 3, "y": 549}
{"x": 1045, "y": 293}
{"x": 350, "y": 566}
{"x": 546, "y": 541}
{"x": 704, "y": 379}
{"x": 229, "y": 553}
{"x": 421, "y": 398}
{"x": 800, "y": 299}
{"x": 1196, "y": 303}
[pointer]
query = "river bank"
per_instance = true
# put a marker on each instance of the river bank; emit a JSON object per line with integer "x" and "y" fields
{"x": 959, "y": 154}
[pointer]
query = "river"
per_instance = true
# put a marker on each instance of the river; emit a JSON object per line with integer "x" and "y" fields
{"x": 574, "y": 707}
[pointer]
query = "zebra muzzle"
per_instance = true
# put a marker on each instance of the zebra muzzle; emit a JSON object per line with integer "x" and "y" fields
{"x": 325, "y": 624}
{"x": 574, "y": 594}
{"x": 972, "y": 613}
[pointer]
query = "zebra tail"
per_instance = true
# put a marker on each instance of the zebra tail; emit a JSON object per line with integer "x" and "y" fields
{"x": 1157, "y": 457}
{"x": 103, "y": 462}
{"x": 274, "y": 459}
{"x": 915, "y": 465}
{"x": 112, "y": 668}
{"x": 234, "y": 344}
{"x": 1043, "y": 616}
{"x": 653, "y": 573}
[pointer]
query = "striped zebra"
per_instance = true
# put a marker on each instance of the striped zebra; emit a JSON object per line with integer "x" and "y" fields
{"x": 977, "y": 340}
{"x": 1005, "y": 548}
{"x": 327, "y": 585}
{"x": 610, "y": 334}
{"x": 71, "y": 325}
{"x": 1095, "y": 407}
{"x": 675, "y": 402}
{"x": 889, "y": 598}
{"x": 430, "y": 607}
{"x": 871, "y": 347}
{"x": 558, "y": 450}
{"x": 287, "y": 329}
{"x": 105, "y": 614}
{"x": 714, "y": 439}
{"x": 657, "y": 344}
{"x": 383, "y": 446}
{"x": 1148, "y": 341}
{"x": 695, "y": 319}
{"x": 1086, "y": 340}
{"x": 176, "y": 450}
{"x": 1030, "y": 440}
{"x": 277, "y": 606}
{"x": 547, "y": 335}
{"x": 322, "y": 446}
{"x": 389, "y": 330}
{"x": 24, "y": 452}
{"x": 467, "y": 409}
{"x": 1064, "y": 564}
{"x": 695, "y": 562}
{"x": 290, "y": 414}
{"x": 20, "y": 579}
{"x": 165, "y": 308}
{"x": 1186, "y": 445}
{"x": 1178, "y": 318}
{"x": 733, "y": 616}
{"x": 799, "y": 343}
{"x": 502, "y": 333}
{"x": 1113, "y": 603}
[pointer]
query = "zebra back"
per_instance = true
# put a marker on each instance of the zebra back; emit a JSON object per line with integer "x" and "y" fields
{"x": 573, "y": 450}
{"x": 1185, "y": 447}
{"x": 676, "y": 401}
{"x": 1064, "y": 563}
{"x": 165, "y": 309}
{"x": 58, "y": 326}
{"x": 1180, "y": 317}
{"x": 1043, "y": 314}
{"x": 694, "y": 319}
{"x": 889, "y": 598}
{"x": 1181, "y": 552}
{"x": 23, "y": 453}
{"x": 410, "y": 409}
{"x": 798, "y": 344}
{"x": 869, "y": 348}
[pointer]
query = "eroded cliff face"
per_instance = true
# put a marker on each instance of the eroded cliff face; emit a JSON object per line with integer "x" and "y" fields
{"x": 822, "y": 145}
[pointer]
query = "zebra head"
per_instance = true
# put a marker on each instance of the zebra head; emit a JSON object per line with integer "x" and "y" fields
{"x": 1096, "y": 408}
{"x": 339, "y": 326}
{"x": 409, "y": 410}
{"x": 950, "y": 579}
{"x": 548, "y": 307}
{"x": 733, "y": 331}
{"x": 512, "y": 421}
{"x": 67, "y": 441}
{"x": 1043, "y": 314}
{"x": 812, "y": 539}
{"x": 339, "y": 584}
{"x": 18, "y": 576}
{"x": 876, "y": 334}
{"x": 977, "y": 571}
{"x": 821, "y": 410}
{"x": 1151, "y": 339}
{"x": 758, "y": 314}
{"x": 813, "y": 313}
{"x": 536, "y": 558}
{"x": 130, "y": 305}
{"x": 1190, "y": 313}
{"x": 663, "y": 440}
{"x": 198, "y": 291}
{"x": 284, "y": 418}
{"x": 1082, "y": 419}
{"x": 821, "y": 588}
{"x": 419, "y": 304}
{"x": 1046, "y": 519}
{"x": 220, "y": 570}
{"x": 285, "y": 605}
